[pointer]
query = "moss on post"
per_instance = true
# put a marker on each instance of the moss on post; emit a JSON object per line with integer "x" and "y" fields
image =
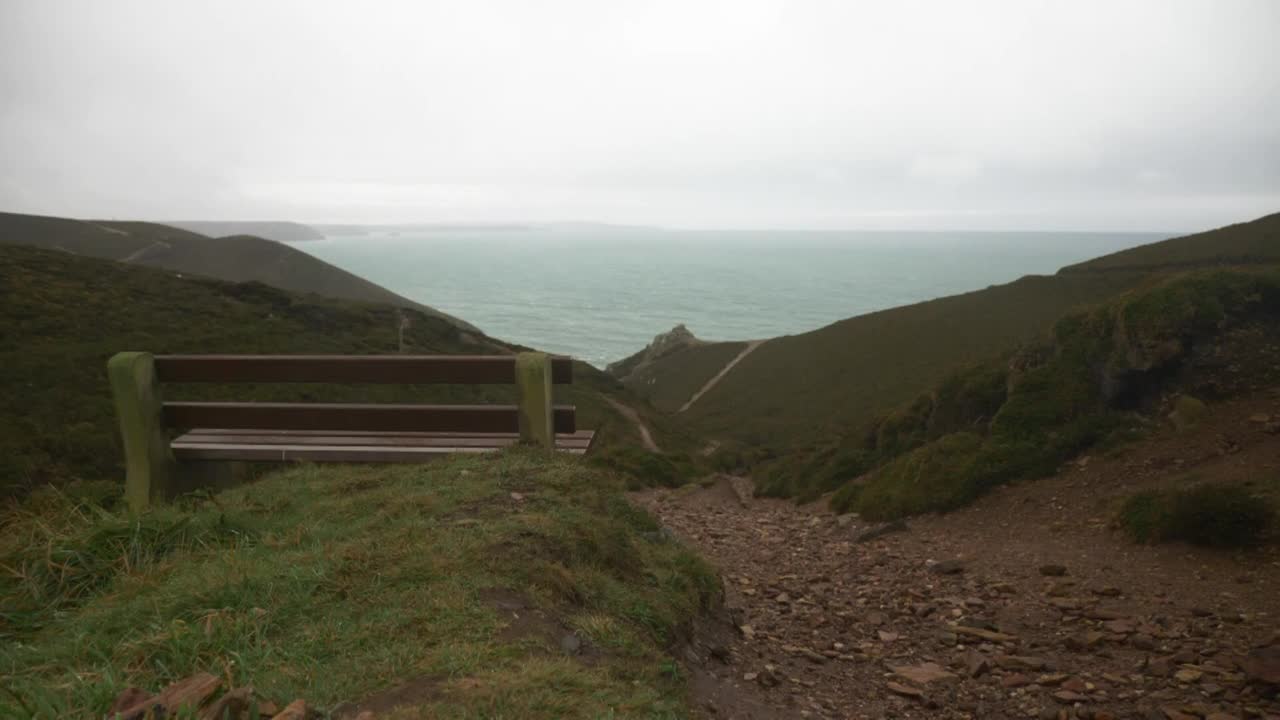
{"x": 533, "y": 382}
{"x": 148, "y": 462}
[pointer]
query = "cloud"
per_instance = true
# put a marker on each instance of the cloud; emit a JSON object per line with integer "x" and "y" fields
{"x": 753, "y": 113}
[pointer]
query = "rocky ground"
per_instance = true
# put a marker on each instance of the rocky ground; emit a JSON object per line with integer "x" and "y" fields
{"x": 1026, "y": 604}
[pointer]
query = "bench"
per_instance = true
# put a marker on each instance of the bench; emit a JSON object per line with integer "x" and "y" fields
{"x": 163, "y": 440}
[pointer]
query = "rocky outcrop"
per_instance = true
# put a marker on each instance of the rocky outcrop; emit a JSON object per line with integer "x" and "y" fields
{"x": 663, "y": 344}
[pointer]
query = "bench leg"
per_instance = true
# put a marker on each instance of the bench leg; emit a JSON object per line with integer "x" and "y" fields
{"x": 148, "y": 461}
{"x": 533, "y": 382}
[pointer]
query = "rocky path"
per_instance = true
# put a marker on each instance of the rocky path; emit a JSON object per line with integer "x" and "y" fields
{"x": 751, "y": 346}
{"x": 1025, "y": 605}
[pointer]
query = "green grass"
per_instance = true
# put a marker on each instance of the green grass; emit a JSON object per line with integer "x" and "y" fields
{"x": 835, "y": 380}
{"x": 335, "y": 582}
{"x": 644, "y": 469}
{"x": 62, "y": 316}
{"x": 1021, "y": 418}
{"x": 1222, "y": 516}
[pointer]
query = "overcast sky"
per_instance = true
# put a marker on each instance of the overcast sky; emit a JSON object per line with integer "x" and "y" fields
{"x": 1160, "y": 115}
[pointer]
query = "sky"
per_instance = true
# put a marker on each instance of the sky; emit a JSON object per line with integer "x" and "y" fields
{"x": 796, "y": 114}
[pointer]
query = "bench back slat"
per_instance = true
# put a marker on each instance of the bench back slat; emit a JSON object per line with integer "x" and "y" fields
{"x": 343, "y": 417}
{"x": 383, "y": 369}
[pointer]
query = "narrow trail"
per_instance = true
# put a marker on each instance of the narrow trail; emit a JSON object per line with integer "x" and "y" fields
{"x": 751, "y": 346}
{"x": 1027, "y": 603}
{"x": 137, "y": 254}
{"x": 631, "y": 414}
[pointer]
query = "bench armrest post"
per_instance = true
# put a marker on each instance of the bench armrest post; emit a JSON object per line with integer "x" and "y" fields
{"x": 533, "y": 382}
{"x": 148, "y": 460}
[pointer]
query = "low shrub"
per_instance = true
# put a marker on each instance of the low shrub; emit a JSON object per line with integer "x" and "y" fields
{"x": 1212, "y": 515}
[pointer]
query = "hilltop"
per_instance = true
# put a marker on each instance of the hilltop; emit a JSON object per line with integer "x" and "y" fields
{"x": 1248, "y": 243}
{"x": 239, "y": 258}
{"x": 271, "y": 230}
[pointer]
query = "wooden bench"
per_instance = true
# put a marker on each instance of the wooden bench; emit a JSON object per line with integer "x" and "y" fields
{"x": 162, "y": 438}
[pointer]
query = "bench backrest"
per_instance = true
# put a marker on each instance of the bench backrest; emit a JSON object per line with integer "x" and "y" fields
{"x": 145, "y": 418}
{"x": 382, "y": 369}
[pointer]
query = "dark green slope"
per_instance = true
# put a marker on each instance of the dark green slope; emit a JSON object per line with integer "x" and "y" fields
{"x": 845, "y": 374}
{"x": 63, "y": 315}
{"x": 1247, "y": 243}
{"x": 239, "y": 259}
{"x": 840, "y": 377}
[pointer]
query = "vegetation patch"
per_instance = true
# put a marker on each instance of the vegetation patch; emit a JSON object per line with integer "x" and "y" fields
{"x": 641, "y": 468}
{"x": 1081, "y": 387}
{"x": 62, "y": 316}
{"x": 1224, "y": 516}
{"x": 336, "y": 583}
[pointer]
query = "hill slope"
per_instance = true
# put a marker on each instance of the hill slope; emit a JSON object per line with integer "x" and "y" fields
{"x": 511, "y": 586}
{"x": 839, "y": 378}
{"x": 239, "y": 259}
{"x": 62, "y": 316}
{"x": 1247, "y": 243}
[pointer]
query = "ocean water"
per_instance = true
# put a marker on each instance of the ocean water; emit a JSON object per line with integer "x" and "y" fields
{"x": 601, "y": 295}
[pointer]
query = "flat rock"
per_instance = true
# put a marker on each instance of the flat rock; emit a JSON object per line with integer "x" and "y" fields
{"x": 880, "y": 531}
{"x": 904, "y": 690}
{"x": 923, "y": 674}
{"x": 947, "y": 567}
{"x": 1263, "y": 665}
{"x": 981, "y": 634}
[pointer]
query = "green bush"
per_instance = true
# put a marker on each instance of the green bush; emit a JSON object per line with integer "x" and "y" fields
{"x": 1212, "y": 515}
{"x": 642, "y": 468}
{"x": 1187, "y": 411}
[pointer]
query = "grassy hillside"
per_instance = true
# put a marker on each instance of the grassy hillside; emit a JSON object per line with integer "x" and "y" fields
{"x": 239, "y": 259}
{"x": 669, "y": 381}
{"x": 507, "y": 586}
{"x": 278, "y": 231}
{"x": 1245, "y": 243}
{"x": 845, "y": 374}
{"x": 1101, "y": 376}
{"x": 837, "y": 379}
{"x": 62, "y": 316}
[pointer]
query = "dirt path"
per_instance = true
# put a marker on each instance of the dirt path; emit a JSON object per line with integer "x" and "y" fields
{"x": 1026, "y": 604}
{"x": 751, "y": 346}
{"x": 138, "y": 254}
{"x": 631, "y": 414}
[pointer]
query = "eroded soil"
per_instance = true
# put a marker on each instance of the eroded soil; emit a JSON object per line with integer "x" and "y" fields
{"x": 1028, "y": 603}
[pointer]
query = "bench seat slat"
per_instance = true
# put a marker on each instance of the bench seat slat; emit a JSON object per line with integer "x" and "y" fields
{"x": 383, "y": 369}
{"x": 423, "y": 440}
{"x": 359, "y": 433}
{"x": 344, "y": 417}
{"x": 270, "y": 447}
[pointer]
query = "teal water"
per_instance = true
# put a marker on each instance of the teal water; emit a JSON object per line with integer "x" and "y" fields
{"x": 602, "y": 295}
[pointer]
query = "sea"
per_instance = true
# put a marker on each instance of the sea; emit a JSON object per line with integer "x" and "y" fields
{"x": 602, "y": 294}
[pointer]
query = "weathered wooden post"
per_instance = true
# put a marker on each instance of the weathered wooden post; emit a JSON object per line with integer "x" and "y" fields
{"x": 148, "y": 461}
{"x": 533, "y": 382}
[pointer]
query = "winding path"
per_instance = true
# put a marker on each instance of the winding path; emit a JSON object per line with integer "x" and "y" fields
{"x": 630, "y": 413}
{"x": 751, "y": 345}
